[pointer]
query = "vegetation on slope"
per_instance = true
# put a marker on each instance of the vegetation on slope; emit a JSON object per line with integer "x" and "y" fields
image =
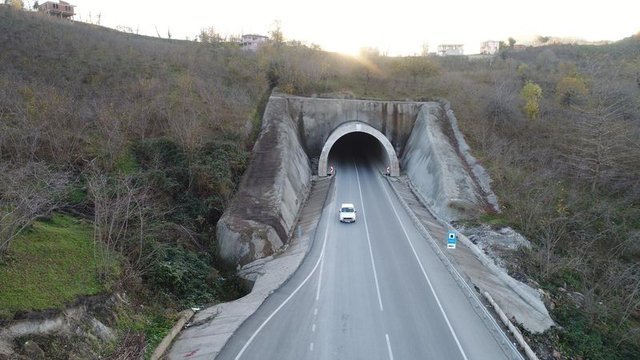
{"x": 143, "y": 138}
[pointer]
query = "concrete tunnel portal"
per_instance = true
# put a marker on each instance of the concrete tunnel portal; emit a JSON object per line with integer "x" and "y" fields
{"x": 357, "y": 138}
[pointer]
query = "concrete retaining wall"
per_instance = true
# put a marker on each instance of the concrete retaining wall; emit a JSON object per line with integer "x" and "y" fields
{"x": 318, "y": 118}
{"x": 259, "y": 219}
{"x": 434, "y": 167}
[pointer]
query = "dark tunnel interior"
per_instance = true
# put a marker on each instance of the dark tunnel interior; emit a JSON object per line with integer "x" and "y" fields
{"x": 360, "y": 147}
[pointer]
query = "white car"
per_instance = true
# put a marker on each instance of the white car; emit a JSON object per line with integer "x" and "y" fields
{"x": 347, "y": 213}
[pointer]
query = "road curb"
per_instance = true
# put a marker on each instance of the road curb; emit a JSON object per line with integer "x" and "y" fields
{"x": 184, "y": 318}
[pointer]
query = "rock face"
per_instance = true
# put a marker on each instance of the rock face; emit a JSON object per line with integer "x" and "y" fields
{"x": 263, "y": 212}
{"x": 81, "y": 327}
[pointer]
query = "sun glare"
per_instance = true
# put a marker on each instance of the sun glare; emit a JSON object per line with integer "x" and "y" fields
{"x": 344, "y": 48}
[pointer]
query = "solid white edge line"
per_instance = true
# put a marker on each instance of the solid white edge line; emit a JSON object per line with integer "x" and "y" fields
{"x": 424, "y": 272}
{"x": 320, "y": 276}
{"x": 389, "y": 346}
{"x": 366, "y": 228}
{"x": 246, "y": 345}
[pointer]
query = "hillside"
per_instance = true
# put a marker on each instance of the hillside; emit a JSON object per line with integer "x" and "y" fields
{"x": 151, "y": 135}
{"x": 142, "y": 138}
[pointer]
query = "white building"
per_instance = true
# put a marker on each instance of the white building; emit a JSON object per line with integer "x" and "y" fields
{"x": 489, "y": 47}
{"x": 253, "y": 42}
{"x": 450, "y": 49}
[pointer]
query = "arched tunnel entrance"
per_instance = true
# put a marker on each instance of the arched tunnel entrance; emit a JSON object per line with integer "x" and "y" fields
{"x": 356, "y": 141}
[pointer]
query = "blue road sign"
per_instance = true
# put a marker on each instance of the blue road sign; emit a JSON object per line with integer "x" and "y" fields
{"x": 452, "y": 239}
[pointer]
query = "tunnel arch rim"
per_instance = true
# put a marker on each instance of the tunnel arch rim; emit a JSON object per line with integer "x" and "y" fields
{"x": 356, "y": 126}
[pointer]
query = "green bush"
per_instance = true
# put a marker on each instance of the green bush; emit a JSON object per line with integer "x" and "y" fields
{"x": 185, "y": 275}
{"x": 199, "y": 185}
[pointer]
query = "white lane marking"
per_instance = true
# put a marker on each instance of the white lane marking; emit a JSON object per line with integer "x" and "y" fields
{"x": 424, "y": 272}
{"x": 324, "y": 244}
{"x": 315, "y": 311}
{"x": 366, "y": 228}
{"x": 320, "y": 277}
{"x": 311, "y": 347}
{"x": 313, "y": 328}
{"x": 389, "y": 347}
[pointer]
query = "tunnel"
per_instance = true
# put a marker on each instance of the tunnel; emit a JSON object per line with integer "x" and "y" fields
{"x": 357, "y": 141}
{"x": 361, "y": 148}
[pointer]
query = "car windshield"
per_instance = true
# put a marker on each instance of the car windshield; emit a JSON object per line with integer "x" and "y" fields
{"x": 347, "y": 209}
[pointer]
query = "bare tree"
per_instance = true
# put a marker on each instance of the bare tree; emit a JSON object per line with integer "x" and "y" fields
{"x": 121, "y": 212}
{"x": 599, "y": 149}
{"x": 26, "y": 192}
{"x": 209, "y": 35}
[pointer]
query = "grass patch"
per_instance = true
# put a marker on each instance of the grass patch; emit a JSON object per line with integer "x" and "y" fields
{"x": 126, "y": 163}
{"x": 153, "y": 322}
{"x": 157, "y": 327}
{"x": 48, "y": 266}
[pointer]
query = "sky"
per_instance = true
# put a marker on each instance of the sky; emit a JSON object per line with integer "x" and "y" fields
{"x": 396, "y": 27}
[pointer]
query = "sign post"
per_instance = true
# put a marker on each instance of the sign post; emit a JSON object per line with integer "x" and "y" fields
{"x": 452, "y": 239}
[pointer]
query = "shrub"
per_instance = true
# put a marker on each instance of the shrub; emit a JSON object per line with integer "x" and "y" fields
{"x": 184, "y": 275}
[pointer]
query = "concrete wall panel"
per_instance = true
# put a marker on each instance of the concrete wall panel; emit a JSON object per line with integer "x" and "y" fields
{"x": 261, "y": 216}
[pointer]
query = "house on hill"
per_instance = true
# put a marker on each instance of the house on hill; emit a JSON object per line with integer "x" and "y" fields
{"x": 490, "y": 47}
{"x": 450, "y": 49}
{"x": 252, "y": 41}
{"x": 60, "y": 9}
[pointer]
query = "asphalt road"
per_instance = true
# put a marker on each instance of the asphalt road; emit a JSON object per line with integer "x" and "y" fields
{"x": 373, "y": 289}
